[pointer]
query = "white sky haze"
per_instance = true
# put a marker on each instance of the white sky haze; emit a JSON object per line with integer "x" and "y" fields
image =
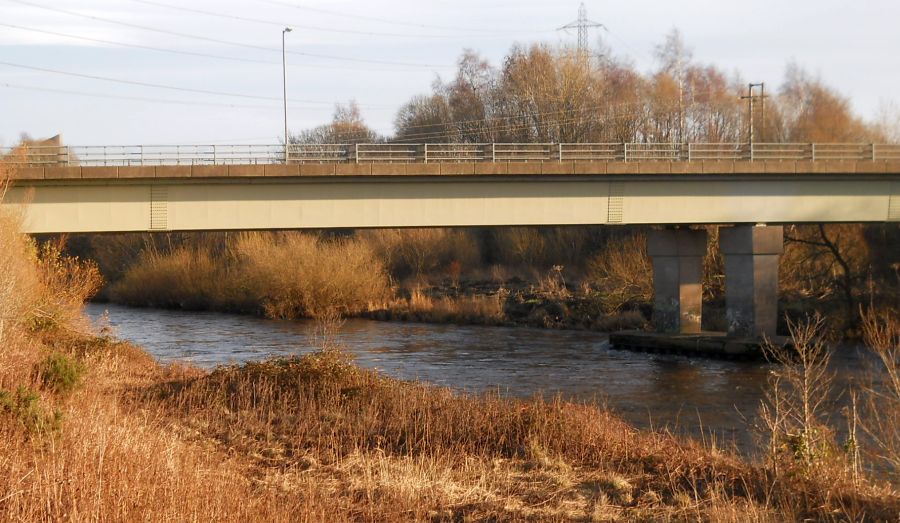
{"x": 379, "y": 53}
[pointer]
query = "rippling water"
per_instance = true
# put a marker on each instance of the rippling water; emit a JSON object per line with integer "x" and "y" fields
{"x": 647, "y": 390}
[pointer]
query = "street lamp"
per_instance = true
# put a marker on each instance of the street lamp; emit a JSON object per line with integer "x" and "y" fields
{"x": 284, "y": 82}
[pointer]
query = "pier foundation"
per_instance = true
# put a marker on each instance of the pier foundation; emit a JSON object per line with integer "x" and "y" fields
{"x": 677, "y": 256}
{"x": 751, "y": 278}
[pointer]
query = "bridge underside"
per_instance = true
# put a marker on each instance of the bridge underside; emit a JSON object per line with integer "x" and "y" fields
{"x": 319, "y": 202}
{"x": 122, "y": 205}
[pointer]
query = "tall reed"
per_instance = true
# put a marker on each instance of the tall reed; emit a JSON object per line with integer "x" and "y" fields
{"x": 280, "y": 275}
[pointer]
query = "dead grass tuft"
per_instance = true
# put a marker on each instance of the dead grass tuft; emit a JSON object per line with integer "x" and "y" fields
{"x": 281, "y": 275}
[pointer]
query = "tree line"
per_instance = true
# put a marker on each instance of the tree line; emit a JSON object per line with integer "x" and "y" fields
{"x": 541, "y": 93}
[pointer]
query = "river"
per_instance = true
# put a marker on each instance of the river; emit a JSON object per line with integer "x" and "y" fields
{"x": 693, "y": 396}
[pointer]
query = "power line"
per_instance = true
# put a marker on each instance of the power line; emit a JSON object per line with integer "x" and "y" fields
{"x": 583, "y": 24}
{"x": 641, "y": 112}
{"x": 137, "y": 46}
{"x": 512, "y": 126}
{"x": 344, "y": 15}
{"x": 282, "y": 23}
{"x": 160, "y": 86}
{"x": 221, "y": 41}
{"x": 559, "y": 99}
{"x": 134, "y": 98}
{"x": 190, "y": 53}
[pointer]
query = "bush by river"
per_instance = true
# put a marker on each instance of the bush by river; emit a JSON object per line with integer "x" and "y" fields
{"x": 576, "y": 277}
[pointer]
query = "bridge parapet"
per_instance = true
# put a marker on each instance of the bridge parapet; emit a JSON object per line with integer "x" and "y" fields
{"x": 402, "y": 153}
{"x": 476, "y": 169}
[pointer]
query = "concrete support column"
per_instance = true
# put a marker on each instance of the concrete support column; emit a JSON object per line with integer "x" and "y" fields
{"x": 751, "y": 278}
{"x": 677, "y": 279}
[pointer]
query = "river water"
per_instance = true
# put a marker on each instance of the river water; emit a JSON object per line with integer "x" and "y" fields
{"x": 692, "y": 396}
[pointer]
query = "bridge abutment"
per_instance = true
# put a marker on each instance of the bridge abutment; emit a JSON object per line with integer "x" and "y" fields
{"x": 677, "y": 256}
{"x": 751, "y": 278}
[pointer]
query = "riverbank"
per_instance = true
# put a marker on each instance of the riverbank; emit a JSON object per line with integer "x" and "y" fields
{"x": 572, "y": 278}
{"x": 292, "y": 276}
{"x": 93, "y": 428}
{"x": 318, "y": 438}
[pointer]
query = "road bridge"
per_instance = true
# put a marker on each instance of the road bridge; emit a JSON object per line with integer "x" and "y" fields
{"x": 497, "y": 185}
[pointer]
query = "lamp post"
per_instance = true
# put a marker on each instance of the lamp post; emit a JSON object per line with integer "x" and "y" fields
{"x": 284, "y": 82}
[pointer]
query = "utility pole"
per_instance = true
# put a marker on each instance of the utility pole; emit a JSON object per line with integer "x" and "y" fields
{"x": 751, "y": 98}
{"x": 583, "y": 24}
{"x": 679, "y": 64}
{"x": 284, "y": 85}
{"x": 762, "y": 103}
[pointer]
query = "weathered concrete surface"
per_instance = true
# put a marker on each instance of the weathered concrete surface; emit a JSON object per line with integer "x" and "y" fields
{"x": 751, "y": 278}
{"x": 704, "y": 344}
{"x": 677, "y": 256}
{"x": 311, "y": 196}
{"x": 531, "y": 168}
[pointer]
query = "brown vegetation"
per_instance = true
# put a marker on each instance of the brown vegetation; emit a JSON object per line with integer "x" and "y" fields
{"x": 833, "y": 268}
{"x": 583, "y": 277}
{"x": 283, "y": 275}
{"x": 435, "y": 275}
{"x": 92, "y": 428}
{"x": 881, "y": 329}
{"x": 623, "y": 273}
{"x": 541, "y": 93}
{"x": 545, "y": 94}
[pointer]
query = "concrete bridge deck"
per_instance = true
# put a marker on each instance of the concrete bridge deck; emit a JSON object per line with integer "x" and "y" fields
{"x": 499, "y": 168}
{"x": 338, "y": 195}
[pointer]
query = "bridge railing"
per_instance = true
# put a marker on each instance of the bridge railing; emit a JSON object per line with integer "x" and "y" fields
{"x": 718, "y": 151}
{"x": 138, "y": 155}
{"x": 141, "y": 155}
{"x": 592, "y": 152}
{"x": 324, "y": 153}
{"x": 457, "y": 152}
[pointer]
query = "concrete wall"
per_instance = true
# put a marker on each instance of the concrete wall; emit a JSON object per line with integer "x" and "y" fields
{"x": 276, "y": 202}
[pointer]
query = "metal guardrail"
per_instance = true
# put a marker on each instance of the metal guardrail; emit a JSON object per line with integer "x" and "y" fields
{"x": 142, "y": 155}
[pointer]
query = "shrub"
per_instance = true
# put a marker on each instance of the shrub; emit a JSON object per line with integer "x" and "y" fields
{"x": 187, "y": 278}
{"x": 302, "y": 275}
{"x": 419, "y": 253}
{"x": 622, "y": 272}
{"x": 25, "y": 406}
{"x": 60, "y": 373}
{"x": 66, "y": 283}
{"x": 284, "y": 275}
{"x": 39, "y": 287}
{"x": 881, "y": 331}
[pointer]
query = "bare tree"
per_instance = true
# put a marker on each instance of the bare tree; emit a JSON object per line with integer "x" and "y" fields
{"x": 881, "y": 330}
{"x": 347, "y": 126}
{"x": 799, "y": 388}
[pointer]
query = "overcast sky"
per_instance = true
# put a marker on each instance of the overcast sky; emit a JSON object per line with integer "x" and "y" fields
{"x": 378, "y": 53}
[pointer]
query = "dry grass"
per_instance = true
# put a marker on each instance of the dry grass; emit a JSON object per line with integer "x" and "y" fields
{"x": 423, "y": 253}
{"x": 282, "y": 275}
{"x": 468, "y": 310}
{"x": 187, "y": 278}
{"x": 298, "y": 275}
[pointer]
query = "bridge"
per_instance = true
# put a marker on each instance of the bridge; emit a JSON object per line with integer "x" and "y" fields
{"x": 754, "y": 188}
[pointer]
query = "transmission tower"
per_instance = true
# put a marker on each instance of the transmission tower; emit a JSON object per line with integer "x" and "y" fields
{"x": 583, "y": 24}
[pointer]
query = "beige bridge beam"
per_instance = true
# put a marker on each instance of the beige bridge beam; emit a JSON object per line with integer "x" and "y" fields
{"x": 100, "y": 202}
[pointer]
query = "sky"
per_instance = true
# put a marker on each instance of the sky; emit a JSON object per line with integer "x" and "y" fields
{"x": 156, "y": 72}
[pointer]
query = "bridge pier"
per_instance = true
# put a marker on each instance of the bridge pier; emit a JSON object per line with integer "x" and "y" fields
{"x": 751, "y": 278}
{"x": 677, "y": 256}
